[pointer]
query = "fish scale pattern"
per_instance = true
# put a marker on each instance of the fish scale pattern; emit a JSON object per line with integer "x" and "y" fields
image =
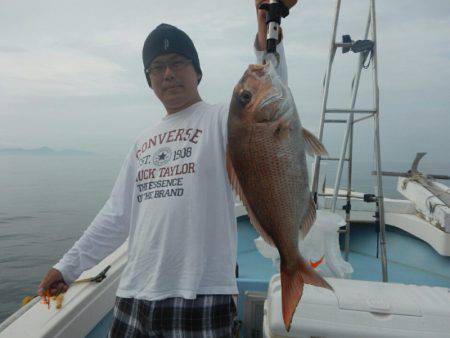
{"x": 273, "y": 177}
{"x": 266, "y": 158}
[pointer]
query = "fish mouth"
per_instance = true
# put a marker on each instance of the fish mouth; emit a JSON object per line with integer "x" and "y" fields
{"x": 263, "y": 76}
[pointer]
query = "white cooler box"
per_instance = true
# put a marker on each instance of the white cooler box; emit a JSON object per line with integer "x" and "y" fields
{"x": 361, "y": 309}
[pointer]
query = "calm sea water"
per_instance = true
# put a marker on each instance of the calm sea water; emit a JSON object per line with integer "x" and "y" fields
{"x": 46, "y": 202}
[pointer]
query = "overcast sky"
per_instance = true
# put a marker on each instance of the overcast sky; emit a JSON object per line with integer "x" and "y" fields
{"x": 71, "y": 74}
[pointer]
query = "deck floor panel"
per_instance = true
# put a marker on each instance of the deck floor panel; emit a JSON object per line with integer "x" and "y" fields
{"x": 410, "y": 260}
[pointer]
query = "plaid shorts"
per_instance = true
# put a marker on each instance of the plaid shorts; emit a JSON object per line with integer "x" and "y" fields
{"x": 205, "y": 316}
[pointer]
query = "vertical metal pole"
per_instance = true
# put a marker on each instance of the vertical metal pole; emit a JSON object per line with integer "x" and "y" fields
{"x": 332, "y": 52}
{"x": 349, "y": 194}
{"x": 337, "y": 182}
{"x": 377, "y": 146}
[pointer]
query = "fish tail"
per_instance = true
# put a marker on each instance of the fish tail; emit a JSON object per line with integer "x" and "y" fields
{"x": 292, "y": 281}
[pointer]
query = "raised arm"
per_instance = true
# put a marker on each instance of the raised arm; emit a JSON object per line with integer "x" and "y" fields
{"x": 259, "y": 49}
{"x": 260, "y": 43}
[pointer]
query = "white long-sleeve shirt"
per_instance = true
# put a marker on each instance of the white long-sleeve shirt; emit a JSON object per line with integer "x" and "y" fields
{"x": 173, "y": 200}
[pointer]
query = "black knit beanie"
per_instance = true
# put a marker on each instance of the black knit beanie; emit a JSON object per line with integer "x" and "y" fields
{"x": 166, "y": 39}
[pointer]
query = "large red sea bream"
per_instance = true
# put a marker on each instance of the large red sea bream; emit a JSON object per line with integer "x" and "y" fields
{"x": 267, "y": 168}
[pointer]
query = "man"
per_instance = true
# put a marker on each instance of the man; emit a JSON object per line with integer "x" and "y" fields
{"x": 172, "y": 199}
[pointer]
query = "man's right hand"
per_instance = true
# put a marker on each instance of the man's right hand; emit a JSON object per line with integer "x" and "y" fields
{"x": 54, "y": 282}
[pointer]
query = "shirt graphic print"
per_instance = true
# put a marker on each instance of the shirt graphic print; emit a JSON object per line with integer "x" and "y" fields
{"x": 165, "y": 159}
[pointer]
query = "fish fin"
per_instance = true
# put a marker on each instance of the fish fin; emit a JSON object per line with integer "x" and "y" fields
{"x": 292, "y": 282}
{"x": 309, "y": 219}
{"x": 312, "y": 277}
{"x": 238, "y": 189}
{"x": 291, "y": 293}
{"x": 312, "y": 145}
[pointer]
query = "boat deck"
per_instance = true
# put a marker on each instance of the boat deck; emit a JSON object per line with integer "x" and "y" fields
{"x": 410, "y": 261}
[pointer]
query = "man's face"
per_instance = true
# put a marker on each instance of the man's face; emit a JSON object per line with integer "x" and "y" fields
{"x": 174, "y": 80}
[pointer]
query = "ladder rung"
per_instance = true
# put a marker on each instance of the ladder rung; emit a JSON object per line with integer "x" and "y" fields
{"x": 354, "y": 111}
{"x": 341, "y": 195}
{"x": 331, "y": 195}
{"x": 335, "y": 121}
{"x": 332, "y": 159}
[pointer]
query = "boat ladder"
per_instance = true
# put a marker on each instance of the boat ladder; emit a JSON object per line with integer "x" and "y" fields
{"x": 366, "y": 49}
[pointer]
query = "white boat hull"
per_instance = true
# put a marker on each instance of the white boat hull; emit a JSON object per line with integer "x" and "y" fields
{"x": 83, "y": 307}
{"x": 401, "y": 214}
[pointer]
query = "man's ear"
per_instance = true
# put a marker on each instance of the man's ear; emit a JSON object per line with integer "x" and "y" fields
{"x": 147, "y": 77}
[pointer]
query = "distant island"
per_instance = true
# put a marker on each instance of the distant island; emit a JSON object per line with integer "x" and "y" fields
{"x": 43, "y": 151}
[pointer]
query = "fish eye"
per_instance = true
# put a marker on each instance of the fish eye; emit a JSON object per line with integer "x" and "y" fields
{"x": 245, "y": 97}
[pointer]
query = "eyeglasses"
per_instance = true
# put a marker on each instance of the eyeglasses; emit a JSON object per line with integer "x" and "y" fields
{"x": 158, "y": 68}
